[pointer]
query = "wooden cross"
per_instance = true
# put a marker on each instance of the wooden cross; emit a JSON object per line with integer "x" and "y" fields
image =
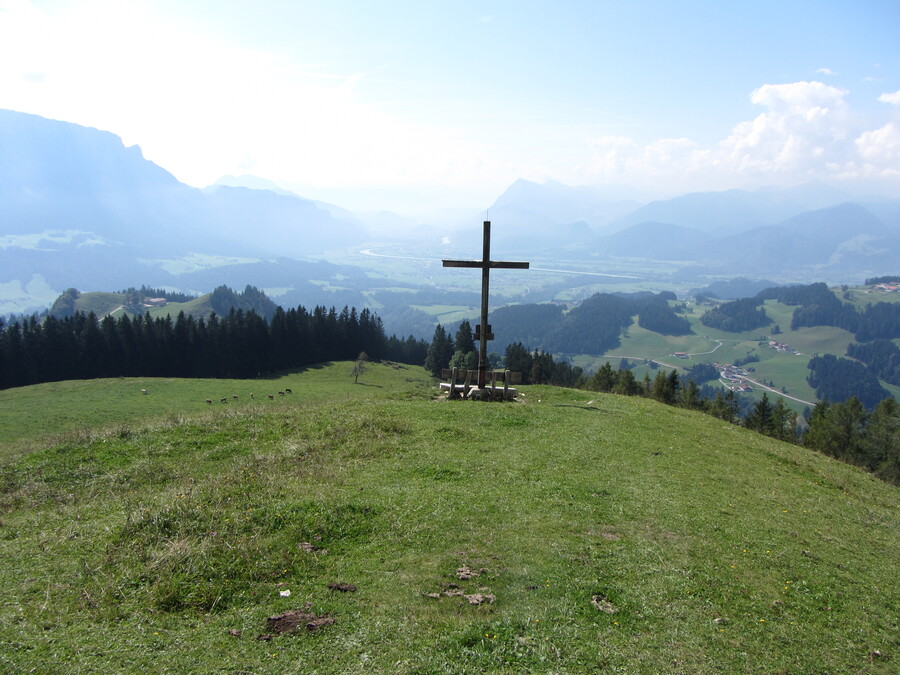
{"x": 483, "y": 330}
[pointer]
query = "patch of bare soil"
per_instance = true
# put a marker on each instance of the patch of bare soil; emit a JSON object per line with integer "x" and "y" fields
{"x": 480, "y": 598}
{"x": 606, "y": 532}
{"x": 602, "y": 603}
{"x": 464, "y": 573}
{"x": 294, "y": 619}
{"x": 342, "y": 587}
{"x": 454, "y": 590}
{"x": 311, "y": 548}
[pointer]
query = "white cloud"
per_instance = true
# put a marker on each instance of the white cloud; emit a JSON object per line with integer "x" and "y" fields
{"x": 825, "y": 71}
{"x": 893, "y": 99}
{"x": 880, "y": 149}
{"x": 805, "y": 122}
{"x": 806, "y": 132}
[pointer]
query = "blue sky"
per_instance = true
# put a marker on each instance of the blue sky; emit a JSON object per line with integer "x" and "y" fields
{"x": 406, "y": 105}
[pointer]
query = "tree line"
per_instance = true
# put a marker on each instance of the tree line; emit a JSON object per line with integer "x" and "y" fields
{"x": 459, "y": 351}
{"x": 838, "y": 379}
{"x": 737, "y": 316}
{"x": 240, "y": 344}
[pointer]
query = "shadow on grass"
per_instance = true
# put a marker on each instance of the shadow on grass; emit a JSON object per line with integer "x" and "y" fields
{"x": 580, "y": 407}
{"x": 365, "y": 384}
{"x": 293, "y": 371}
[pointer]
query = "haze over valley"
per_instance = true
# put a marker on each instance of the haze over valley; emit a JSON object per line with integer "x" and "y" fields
{"x": 79, "y": 209}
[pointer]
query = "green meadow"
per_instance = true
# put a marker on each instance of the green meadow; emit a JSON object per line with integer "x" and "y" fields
{"x": 566, "y": 532}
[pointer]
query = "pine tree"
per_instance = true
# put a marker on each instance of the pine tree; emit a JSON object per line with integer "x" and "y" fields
{"x": 439, "y": 352}
{"x": 517, "y": 359}
{"x": 626, "y": 384}
{"x": 604, "y": 379}
{"x": 690, "y": 396}
{"x": 665, "y": 387}
{"x": 783, "y": 425}
{"x": 465, "y": 340}
{"x": 760, "y": 419}
{"x": 882, "y": 441}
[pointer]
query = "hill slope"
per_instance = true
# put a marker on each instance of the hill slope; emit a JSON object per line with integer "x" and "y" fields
{"x": 559, "y": 534}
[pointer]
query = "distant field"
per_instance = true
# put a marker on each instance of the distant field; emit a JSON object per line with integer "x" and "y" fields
{"x": 862, "y": 296}
{"x": 100, "y": 304}
{"x": 198, "y": 307}
{"x": 445, "y": 314}
{"x": 707, "y": 345}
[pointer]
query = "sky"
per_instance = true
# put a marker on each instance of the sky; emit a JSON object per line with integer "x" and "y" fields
{"x": 405, "y": 106}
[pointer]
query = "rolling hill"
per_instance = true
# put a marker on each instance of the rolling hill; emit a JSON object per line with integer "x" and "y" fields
{"x": 406, "y": 534}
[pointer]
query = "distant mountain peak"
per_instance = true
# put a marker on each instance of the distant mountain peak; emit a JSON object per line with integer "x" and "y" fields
{"x": 250, "y": 182}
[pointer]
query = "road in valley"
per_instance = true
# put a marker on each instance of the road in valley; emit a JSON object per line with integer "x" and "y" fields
{"x": 724, "y": 383}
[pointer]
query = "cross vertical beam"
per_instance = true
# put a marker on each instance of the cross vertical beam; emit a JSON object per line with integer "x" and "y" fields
{"x": 483, "y": 330}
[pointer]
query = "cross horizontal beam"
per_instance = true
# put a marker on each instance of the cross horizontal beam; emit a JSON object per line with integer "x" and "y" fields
{"x": 492, "y": 264}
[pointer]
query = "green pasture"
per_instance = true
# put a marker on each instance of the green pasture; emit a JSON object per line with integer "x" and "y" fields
{"x": 445, "y": 314}
{"x": 29, "y": 413}
{"x": 865, "y": 295}
{"x": 100, "y": 304}
{"x": 568, "y": 532}
{"x": 198, "y": 307}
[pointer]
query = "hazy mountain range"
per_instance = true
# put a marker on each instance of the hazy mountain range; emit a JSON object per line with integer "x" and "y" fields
{"x": 78, "y": 208}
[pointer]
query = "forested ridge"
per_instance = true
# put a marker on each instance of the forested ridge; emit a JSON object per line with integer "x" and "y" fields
{"x": 837, "y": 379}
{"x": 238, "y": 345}
{"x": 737, "y": 316}
{"x": 592, "y": 327}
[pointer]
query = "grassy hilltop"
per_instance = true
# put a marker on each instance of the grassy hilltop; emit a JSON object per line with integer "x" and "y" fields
{"x": 572, "y": 532}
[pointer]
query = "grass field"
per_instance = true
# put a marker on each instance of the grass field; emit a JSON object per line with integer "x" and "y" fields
{"x": 27, "y": 413}
{"x": 100, "y": 304}
{"x": 572, "y": 532}
{"x": 198, "y": 307}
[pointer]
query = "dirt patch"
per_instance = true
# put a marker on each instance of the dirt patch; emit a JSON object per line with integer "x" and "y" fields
{"x": 311, "y": 548}
{"x": 480, "y": 598}
{"x": 294, "y": 619}
{"x": 602, "y": 603}
{"x": 453, "y": 590}
{"x": 342, "y": 587}
{"x": 464, "y": 573}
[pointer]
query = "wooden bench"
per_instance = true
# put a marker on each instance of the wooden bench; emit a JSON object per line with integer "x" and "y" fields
{"x": 464, "y": 383}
